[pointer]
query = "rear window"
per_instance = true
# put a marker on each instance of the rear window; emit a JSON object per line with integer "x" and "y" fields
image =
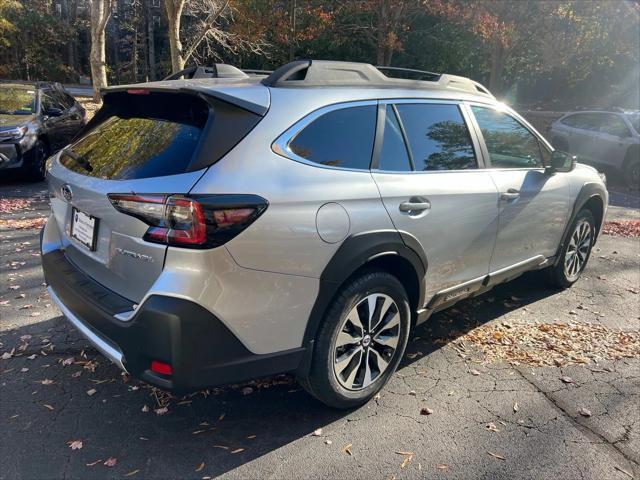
{"x": 340, "y": 138}
{"x": 145, "y": 136}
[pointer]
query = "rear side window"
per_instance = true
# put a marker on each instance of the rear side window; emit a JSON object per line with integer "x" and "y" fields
{"x": 509, "y": 143}
{"x": 393, "y": 156}
{"x": 438, "y": 137}
{"x": 340, "y": 138}
{"x": 146, "y": 137}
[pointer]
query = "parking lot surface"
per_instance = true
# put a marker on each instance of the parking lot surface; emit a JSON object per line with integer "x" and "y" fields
{"x": 522, "y": 382}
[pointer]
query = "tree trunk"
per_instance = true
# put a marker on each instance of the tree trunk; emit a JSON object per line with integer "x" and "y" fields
{"x": 173, "y": 9}
{"x": 382, "y": 32}
{"x": 100, "y": 13}
{"x": 498, "y": 54}
{"x": 151, "y": 42}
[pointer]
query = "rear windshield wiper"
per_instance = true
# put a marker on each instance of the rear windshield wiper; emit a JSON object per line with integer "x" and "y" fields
{"x": 79, "y": 159}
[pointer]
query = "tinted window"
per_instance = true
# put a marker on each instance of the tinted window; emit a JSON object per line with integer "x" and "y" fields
{"x": 437, "y": 136}
{"x": 509, "y": 143}
{"x": 123, "y": 148}
{"x": 393, "y": 156}
{"x": 50, "y": 101}
{"x": 340, "y": 138}
{"x": 634, "y": 118}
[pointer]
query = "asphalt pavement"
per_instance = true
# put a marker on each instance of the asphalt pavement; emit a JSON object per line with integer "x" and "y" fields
{"x": 522, "y": 382}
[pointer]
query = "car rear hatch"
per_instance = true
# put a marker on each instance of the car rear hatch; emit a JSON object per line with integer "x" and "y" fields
{"x": 151, "y": 142}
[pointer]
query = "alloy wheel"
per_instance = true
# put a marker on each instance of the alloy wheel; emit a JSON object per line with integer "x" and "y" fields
{"x": 366, "y": 342}
{"x": 577, "y": 250}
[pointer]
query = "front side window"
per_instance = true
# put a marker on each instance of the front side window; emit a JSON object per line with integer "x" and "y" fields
{"x": 339, "y": 138}
{"x": 613, "y": 125}
{"x": 438, "y": 136}
{"x": 509, "y": 143}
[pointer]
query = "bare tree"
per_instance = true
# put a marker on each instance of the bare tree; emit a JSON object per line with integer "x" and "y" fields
{"x": 210, "y": 31}
{"x": 100, "y": 13}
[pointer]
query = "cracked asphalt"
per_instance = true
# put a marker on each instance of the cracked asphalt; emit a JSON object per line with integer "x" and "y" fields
{"x": 493, "y": 420}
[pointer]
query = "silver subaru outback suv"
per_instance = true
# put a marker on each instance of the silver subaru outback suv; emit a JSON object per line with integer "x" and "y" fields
{"x": 209, "y": 231}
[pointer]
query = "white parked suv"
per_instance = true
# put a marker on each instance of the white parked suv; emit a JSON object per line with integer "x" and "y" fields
{"x": 209, "y": 231}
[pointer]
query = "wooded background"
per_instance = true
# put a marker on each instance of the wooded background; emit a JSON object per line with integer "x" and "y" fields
{"x": 540, "y": 54}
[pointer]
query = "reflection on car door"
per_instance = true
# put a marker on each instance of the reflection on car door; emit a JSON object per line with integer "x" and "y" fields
{"x": 534, "y": 206}
{"x": 434, "y": 191}
{"x": 55, "y": 126}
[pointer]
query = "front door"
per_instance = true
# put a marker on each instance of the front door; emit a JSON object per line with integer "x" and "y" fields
{"x": 534, "y": 205}
{"x": 427, "y": 172}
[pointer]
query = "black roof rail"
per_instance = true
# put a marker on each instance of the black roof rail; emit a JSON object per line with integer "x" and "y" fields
{"x": 326, "y": 73}
{"x": 217, "y": 70}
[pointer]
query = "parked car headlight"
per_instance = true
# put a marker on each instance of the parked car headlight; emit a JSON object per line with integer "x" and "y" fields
{"x": 14, "y": 133}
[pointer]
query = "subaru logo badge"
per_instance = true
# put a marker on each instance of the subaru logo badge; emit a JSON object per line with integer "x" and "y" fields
{"x": 66, "y": 192}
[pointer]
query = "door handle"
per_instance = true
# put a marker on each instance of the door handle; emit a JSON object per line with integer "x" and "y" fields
{"x": 510, "y": 194}
{"x": 415, "y": 205}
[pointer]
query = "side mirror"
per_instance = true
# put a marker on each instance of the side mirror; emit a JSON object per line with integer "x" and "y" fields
{"x": 53, "y": 112}
{"x": 561, "y": 162}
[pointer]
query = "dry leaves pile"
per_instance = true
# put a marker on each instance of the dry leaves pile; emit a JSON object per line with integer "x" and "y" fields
{"x": 553, "y": 344}
{"x": 622, "y": 228}
{"x": 23, "y": 223}
{"x": 12, "y": 205}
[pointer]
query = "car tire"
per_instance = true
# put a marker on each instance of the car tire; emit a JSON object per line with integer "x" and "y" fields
{"x": 575, "y": 252}
{"x": 631, "y": 168}
{"x": 36, "y": 170}
{"x": 355, "y": 355}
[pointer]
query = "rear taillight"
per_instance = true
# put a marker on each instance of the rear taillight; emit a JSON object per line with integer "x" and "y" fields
{"x": 200, "y": 221}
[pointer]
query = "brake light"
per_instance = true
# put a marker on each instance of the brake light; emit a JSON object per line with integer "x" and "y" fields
{"x": 138, "y": 91}
{"x": 201, "y": 221}
{"x": 161, "y": 367}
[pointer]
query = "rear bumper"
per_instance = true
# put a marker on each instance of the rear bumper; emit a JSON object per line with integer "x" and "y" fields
{"x": 201, "y": 350}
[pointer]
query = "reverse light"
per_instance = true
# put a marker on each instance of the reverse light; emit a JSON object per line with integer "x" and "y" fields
{"x": 200, "y": 221}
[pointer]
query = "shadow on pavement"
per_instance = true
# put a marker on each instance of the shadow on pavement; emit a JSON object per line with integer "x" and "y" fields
{"x": 224, "y": 429}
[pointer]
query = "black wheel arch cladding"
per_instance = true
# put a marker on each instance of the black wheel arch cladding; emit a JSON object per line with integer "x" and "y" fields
{"x": 355, "y": 252}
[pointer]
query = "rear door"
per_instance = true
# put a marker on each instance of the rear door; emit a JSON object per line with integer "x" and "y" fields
{"x": 429, "y": 178}
{"x": 139, "y": 143}
{"x": 534, "y": 206}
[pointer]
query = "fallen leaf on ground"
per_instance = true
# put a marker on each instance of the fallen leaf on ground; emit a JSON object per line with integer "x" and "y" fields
{"x": 347, "y": 449}
{"x": 200, "y": 467}
{"x": 75, "y": 444}
{"x": 47, "y": 406}
{"x": 94, "y": 463}
{"x": 474, "y": 372}
{"x": 567, "y": 380}
{"x": 91, "y": 392}
{"x": 442, "y": 466}
{"x": 620, "y": 469}
{"x": 111, "y": 462}
{"x": 492, "y": 427}
{"x": 584, "y": 412}
{"x": 516, "y": 407}
{"x": 161, "y": 411}
{"x": 495, "y": 455}
{"x": 133, "y": 472}
{"x": 317, "y": 432}
{"x": 46, "y": 381}
{"x": 247, "y": 391}
{"x": 237, "y": 450}
{"x": 426, "y": 411}
{"x": 145, "y": 408}
{"x": 6, "y": 356}
{"x": 622, "y": 228}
